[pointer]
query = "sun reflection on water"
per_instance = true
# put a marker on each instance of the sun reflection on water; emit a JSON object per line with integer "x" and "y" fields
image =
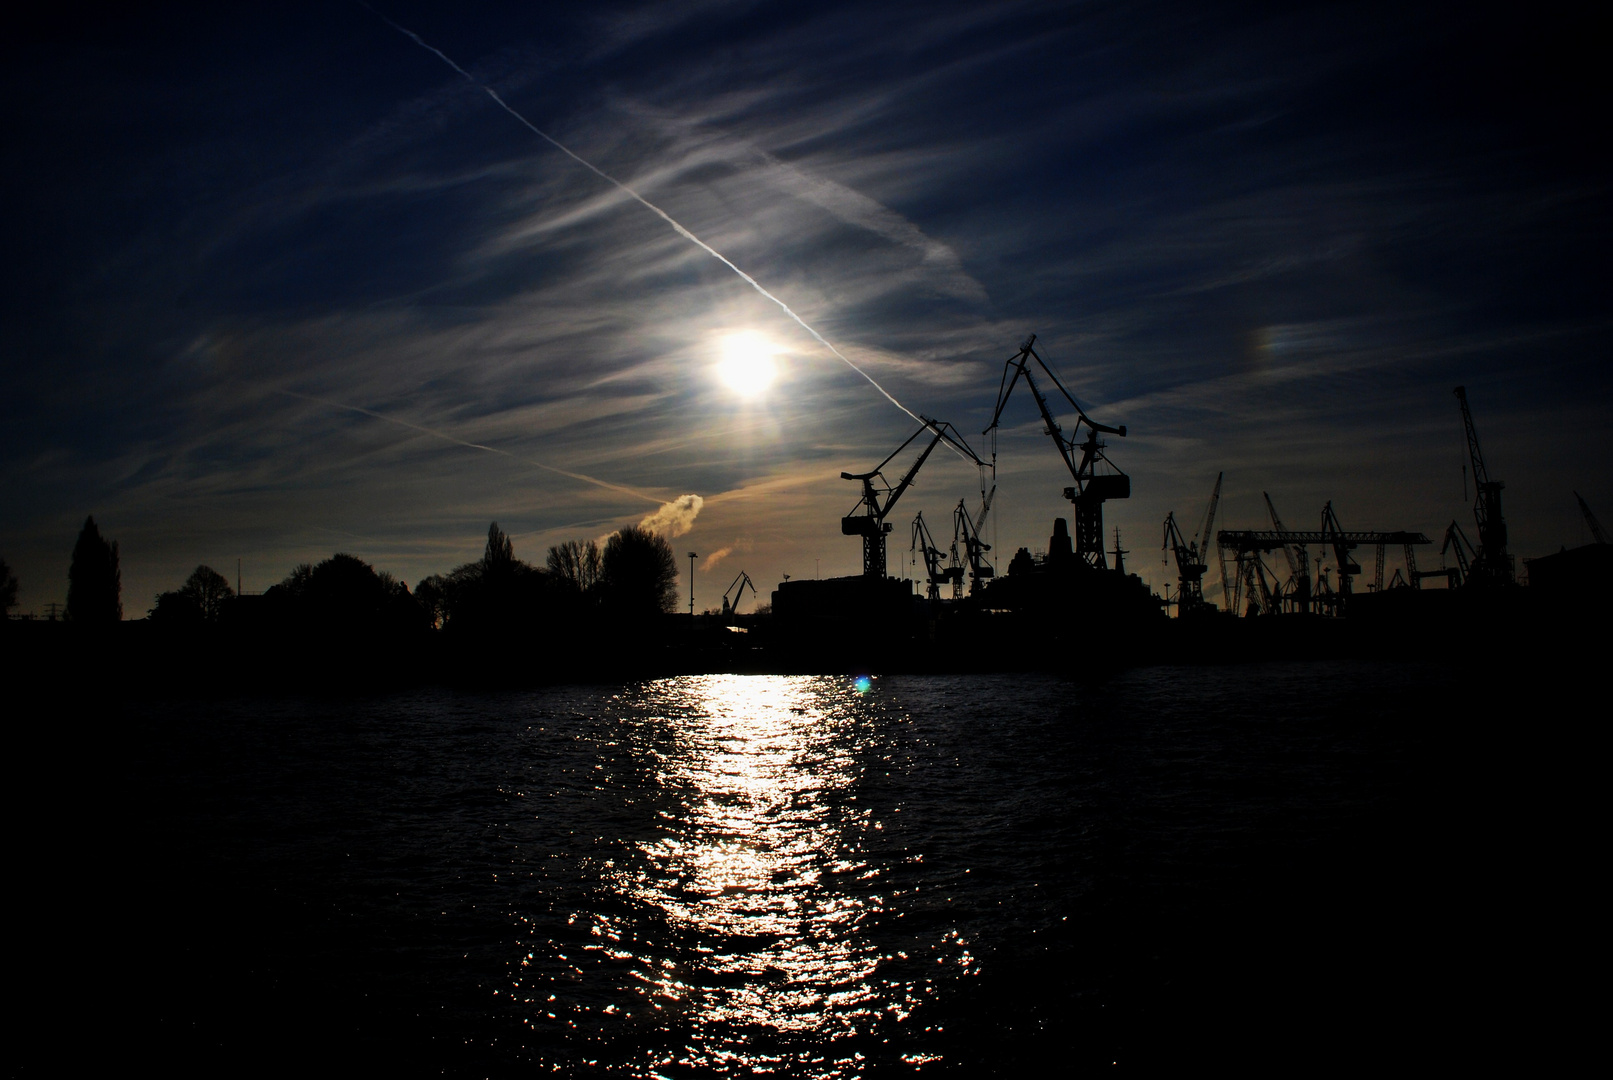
{"x": 737, "y": 927}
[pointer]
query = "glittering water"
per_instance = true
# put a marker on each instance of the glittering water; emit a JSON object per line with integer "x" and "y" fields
{"x": 755, "y": 875}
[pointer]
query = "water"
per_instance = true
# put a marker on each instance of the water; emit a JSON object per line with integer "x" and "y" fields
{"x": 757, "y": 875}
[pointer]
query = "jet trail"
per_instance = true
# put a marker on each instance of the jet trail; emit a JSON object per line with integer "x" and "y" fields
{"x": 583, "y": 477}
{"x": 647, "y": 204}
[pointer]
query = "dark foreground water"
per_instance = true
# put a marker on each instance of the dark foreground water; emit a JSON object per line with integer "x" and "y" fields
{"x": 1278, "y": 865}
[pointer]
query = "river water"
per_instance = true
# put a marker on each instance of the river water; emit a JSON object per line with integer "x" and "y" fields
{"x": 776, "y": 875}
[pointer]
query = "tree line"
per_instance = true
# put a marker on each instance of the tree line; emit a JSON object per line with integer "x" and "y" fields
{"x": 627, "y": 581}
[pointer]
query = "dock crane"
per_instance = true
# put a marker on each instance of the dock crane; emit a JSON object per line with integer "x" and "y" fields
{"x": 867, "y": 519}
{"x": 1192, "y": 555}
{"x": 1298, "y": 591}
{"x": 974, "y": 548}
{"x": 1456, "y": 540}
{"x": 1331, "y": 535}
{"x": 1492, "y": 565}
{"x": 1597, "y": 533}
{"x": 744, "y": 582}
{"x": 1091, "y": 489}
{"x": 938, "y": 575}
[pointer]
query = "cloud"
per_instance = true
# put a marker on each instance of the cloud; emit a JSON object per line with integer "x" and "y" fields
{"x": 716, "y": 557}
{"x": 674, "y": 518}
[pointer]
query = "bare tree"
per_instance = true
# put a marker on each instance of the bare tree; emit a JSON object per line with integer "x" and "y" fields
{"x": 578, "y": 563}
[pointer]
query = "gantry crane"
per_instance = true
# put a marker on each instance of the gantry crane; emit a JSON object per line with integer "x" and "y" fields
{"x": 1092, "y": 488}
{"x": 1331, "y": 535}
{"x": 744, "y": 582}
{"x": 1191, "y": 554}
{"x": 867, "y": 520}
{"x": 1492, "y": 565}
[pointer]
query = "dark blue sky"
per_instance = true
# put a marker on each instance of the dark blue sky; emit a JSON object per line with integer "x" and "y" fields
{"x": 271, "y": 270}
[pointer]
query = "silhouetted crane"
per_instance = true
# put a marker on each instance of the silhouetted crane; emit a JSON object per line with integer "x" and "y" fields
{"x": 744, "y": 582}
{"x": 1456, "y": 540}
{"x": 974, "y": 548}
{"x": 1192, "y": 556}
{"x": 1492, "y": 565}
{"x": 1331, "y": 535}
{"x": 937, "y": 574}
{"x": 1590, "y": 520}
{"x": 876, "y": 504}
{"x": 1298, "y": 590}
{"x": 1092, "y": 489}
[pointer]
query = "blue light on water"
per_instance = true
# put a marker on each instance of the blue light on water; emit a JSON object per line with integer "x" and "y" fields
{"x": 864, "y": 684}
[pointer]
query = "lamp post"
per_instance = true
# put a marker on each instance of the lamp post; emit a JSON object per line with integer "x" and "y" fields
{"x": 692, "y": 558}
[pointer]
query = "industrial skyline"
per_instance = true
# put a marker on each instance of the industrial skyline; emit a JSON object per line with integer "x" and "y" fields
{"x": 283, "y": 283}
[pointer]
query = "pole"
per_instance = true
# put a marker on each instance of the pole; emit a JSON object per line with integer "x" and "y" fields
{"x": 692, "y": 558}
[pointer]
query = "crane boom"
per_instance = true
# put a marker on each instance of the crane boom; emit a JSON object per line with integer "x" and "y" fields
{"x": 1492, "y": 565}
{"x": 867, "y": 518}
{"x": 1590, "y": 520}
{"x": 1091, "y": 488}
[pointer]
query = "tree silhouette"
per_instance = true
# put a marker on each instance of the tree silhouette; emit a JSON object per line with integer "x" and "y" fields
{"x": 94, "y": 582}
{"x": 8, "y": 589}
{"x": 576, "y": 563}
{"x": 432, "y": 596}
{"x": 175, "y": 609}
{"x": 500, "y": 552}
{"x": 343, "y": 595}
{"x": 639, "y": 575}
{"x": 209, "y": 589}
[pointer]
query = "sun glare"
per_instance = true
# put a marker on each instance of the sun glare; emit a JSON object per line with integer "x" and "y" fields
{"x": 747, "y": 366}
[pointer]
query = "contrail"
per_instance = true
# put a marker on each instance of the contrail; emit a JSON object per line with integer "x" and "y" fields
{"x": 583, "y": 477}
{"x": 647, "y": 204}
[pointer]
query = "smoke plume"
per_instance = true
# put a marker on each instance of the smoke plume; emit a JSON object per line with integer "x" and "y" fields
{"x": 674, "y": 518}
{"x": 716, "y": 557}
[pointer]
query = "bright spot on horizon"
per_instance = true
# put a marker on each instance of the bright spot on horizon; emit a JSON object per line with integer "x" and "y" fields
{"x": 747, "y": 366}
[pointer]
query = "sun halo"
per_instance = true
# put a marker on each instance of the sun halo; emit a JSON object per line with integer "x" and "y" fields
{"x": 747, "y": 366}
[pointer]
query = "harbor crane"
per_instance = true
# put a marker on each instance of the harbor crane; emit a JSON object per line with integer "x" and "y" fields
{"x": 1492, "y": 565}
{"x": 1456, "y": 541}
{"x": 1081, "y": 456}
{"x": 1597, "y": 533}
{"x": 867, "y": 519}
{"x": 937, "y": 574}
{"x": 1297, "y": 593}
{"x": 1331, "y": 535}
{"x": 743, "y": 582}
{"x": 974, "y": 548}
{"x": 1191, "y": 555}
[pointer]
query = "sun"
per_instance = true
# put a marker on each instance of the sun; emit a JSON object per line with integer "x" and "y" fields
{"x": 747, "y": 366}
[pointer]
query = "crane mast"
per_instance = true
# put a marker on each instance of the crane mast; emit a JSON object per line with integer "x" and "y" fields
{"x": 744, "y": 582}
{"x": 1299, "y": 567}
{"x": 867, "y": 518}
{"x": 1595, "y": 526}
{"x": 1082, "y": 458}
{"x": 974, "y": 548}
{"x": 936, "y": 573}
{"x": 1189, "y": 567}
{"x": 1492, "y": 565}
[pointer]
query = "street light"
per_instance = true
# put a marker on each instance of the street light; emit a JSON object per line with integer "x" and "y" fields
{"x": 692, "y": 557}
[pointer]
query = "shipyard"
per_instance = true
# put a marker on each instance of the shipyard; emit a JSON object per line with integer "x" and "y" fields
{"x": 827, "y": 541}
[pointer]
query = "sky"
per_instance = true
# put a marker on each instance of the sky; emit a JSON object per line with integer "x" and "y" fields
{"x": 281, "y": 282}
